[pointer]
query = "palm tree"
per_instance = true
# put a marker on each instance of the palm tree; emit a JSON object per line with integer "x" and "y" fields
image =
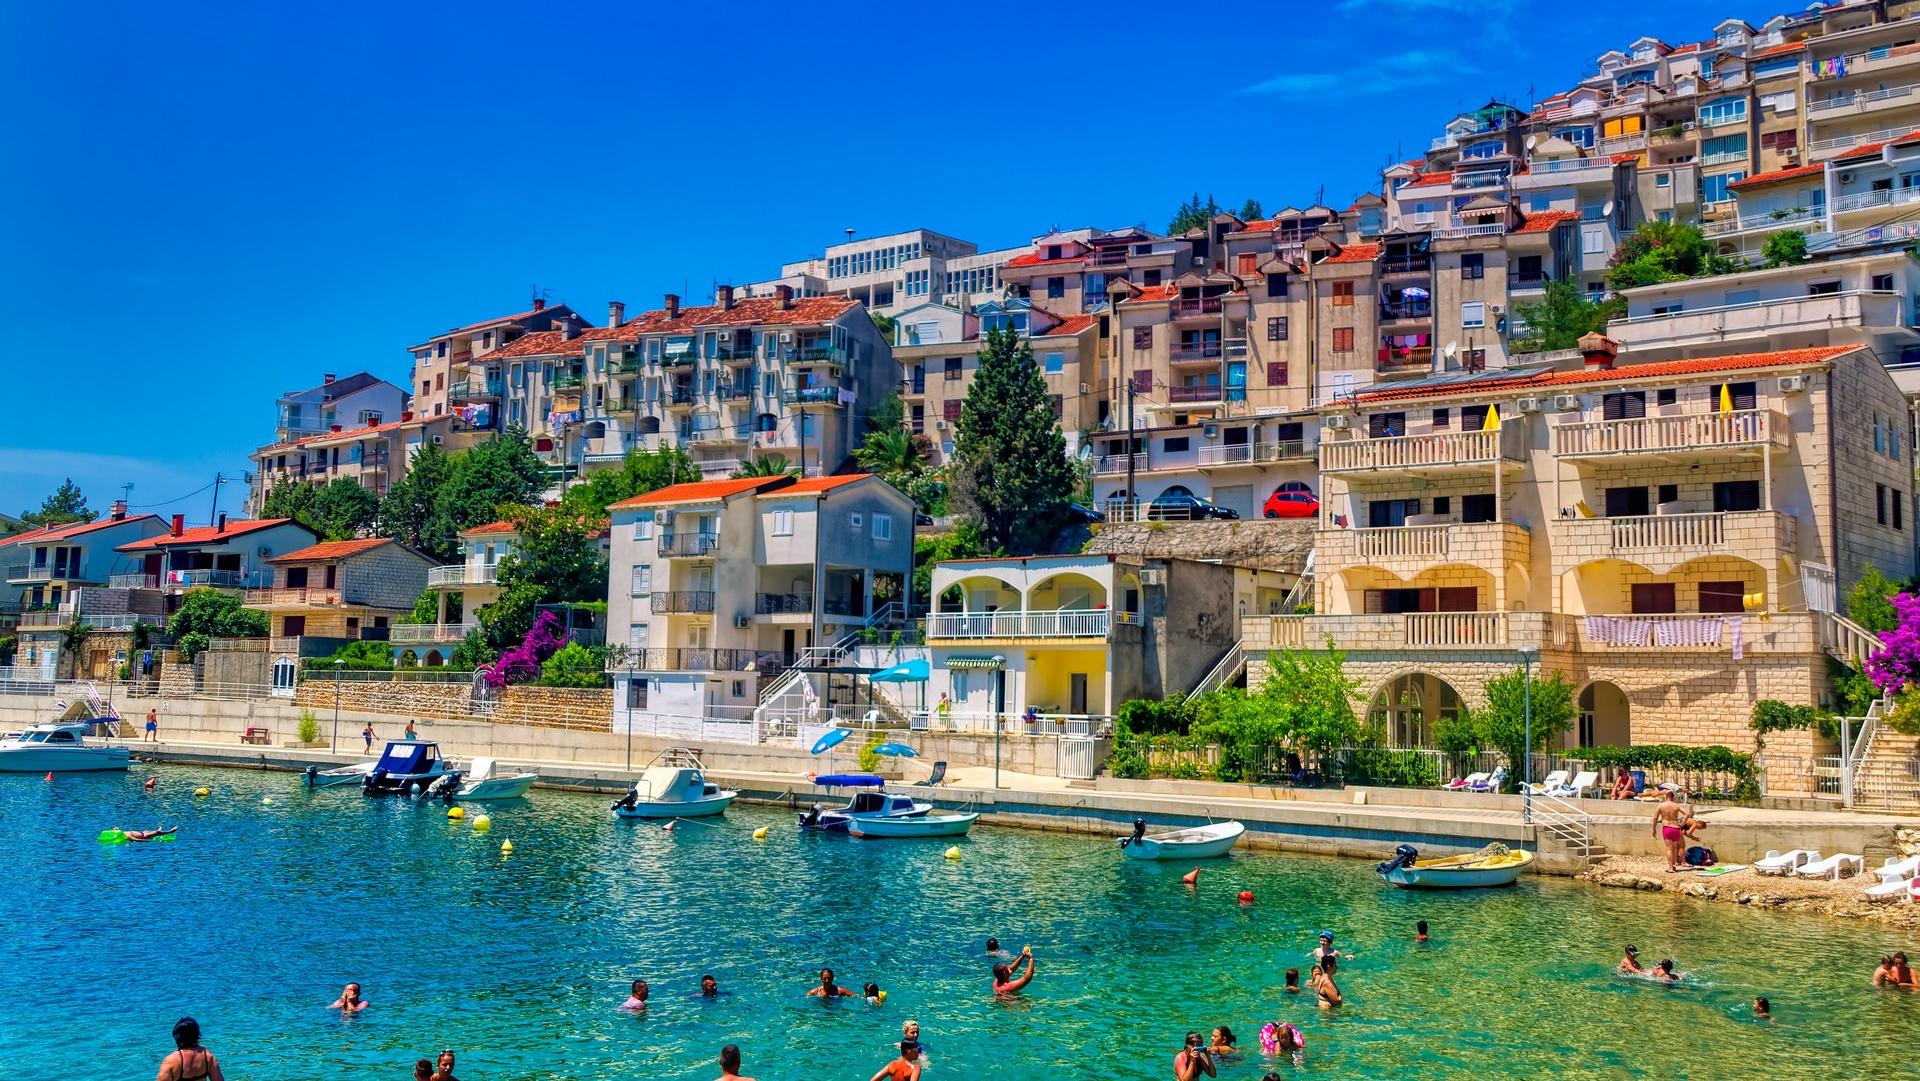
{"x": 766, "y": 465}
{"x": 73, "y": 637}
{"x": 894, "y": 453}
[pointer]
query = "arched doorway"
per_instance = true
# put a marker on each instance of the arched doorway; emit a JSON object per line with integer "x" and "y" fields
{"x": 1605, "y": 717}
{"x": 1410, "y": 706}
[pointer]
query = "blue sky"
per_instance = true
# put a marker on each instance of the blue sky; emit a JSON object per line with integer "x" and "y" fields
{"x": 202, "y": 207}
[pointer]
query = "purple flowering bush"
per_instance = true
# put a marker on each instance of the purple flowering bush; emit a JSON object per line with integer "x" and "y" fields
{"x": 1898, "y": 665}
{"x": 521, "y": 664}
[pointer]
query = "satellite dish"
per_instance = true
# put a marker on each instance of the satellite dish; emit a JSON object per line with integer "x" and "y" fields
{"x": 1606, "y": 211}
{"x": 1450, "y": 349}
{"x": 1532, "y": 139}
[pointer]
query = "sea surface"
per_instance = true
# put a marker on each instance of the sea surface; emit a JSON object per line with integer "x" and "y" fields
{"x": 273, "y": 897}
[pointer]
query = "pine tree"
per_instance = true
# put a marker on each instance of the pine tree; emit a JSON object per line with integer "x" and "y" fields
{"x": 407, "y": 511}
{"x": 1010, "y": 470}
{"x": 1251, "y": 211}
{"x": 65, "y": 505}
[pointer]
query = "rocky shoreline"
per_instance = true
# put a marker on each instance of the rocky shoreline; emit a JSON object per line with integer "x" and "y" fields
{"x": 1842, "y": 900}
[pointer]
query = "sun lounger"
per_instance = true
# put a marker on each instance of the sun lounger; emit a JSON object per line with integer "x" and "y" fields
{"x": 1554, "y": 782}
{"x": 1892, "y": 889}
{"x": 1834, "y": 867}
{"x": 1492, "y": 783}
{"x": 1782, "y": 863}
{"x": 1895, "y": 868}
{"x": 1459, "y": 784}
{"x": 1577, "y": 788}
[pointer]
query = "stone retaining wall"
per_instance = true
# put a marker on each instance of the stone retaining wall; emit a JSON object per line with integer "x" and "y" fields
{"x": 575, "y": 708}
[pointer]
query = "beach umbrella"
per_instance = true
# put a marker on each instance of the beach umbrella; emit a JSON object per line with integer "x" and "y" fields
{"x": 1493, "y": 419}
{"x": 910, "y": 672}
{"x": 1414, "y": 292}
{"x": 1726, "y": 398}
{"x": 834, "y": 737}
{"x": 896, "y": 750}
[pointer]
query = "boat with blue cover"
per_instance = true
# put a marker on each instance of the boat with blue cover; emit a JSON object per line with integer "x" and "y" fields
{"x": 863, "y": 805}
{"x": 405, "y": 768}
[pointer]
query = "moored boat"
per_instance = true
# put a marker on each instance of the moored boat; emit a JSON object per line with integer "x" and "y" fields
{"x": 674, "y": 786}
{"x": 1194, "y": 843}
{"x": 406, "y": 768}
{"x": 1494, "y": 865}
{"x": 863, "y": 805}
{"x": 59, "y": 748}
{"x": 483, "y": 780}
{"x": 926, "y": 825}
{"x": 328, "y": 778}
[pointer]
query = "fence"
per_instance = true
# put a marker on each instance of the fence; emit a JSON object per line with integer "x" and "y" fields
{"x": 1037, "y": 724}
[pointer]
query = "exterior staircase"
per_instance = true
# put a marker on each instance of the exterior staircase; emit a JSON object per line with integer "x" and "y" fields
{"x": 1846, "y": 641}
{"x": 1888, "y": 776}
{"x": 1225, "y": 672}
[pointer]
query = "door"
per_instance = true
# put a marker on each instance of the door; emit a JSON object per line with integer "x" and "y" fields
{"x": 787, "y": 650}
{"x": 1077, "y": 694}
{"x": 1238, "y": 499}
{"x": 333, "y": 575}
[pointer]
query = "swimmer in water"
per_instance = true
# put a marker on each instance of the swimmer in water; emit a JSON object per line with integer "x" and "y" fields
{"x": 1630, "y": 963}
{"x": 350, "y": 1000}
{"x": 1762, "y": 1009}
{"x": 709, "y": 988}
{"x": 1322, "y": 983}
{"x": 1293, "y": 981}
{"x": 1664, "y": 972}
{"x": 638, "y": 999}
{"x": 1420, "y": 931}
{"x": 993, "y": 949}
{"x": 1004, "y": 980}
{"x": 1325, "y": 949}
{"x": 148, "y": 835}
{"x": 827, "y": 988}
{"x": 1280, "y": 1038}
{"x": 730, "y": 1064}
{"x": 904, "y": 1068}
{"x": 1192, "y": 1060}
{"x": 874, "y": 995}
{"x": 910, "y": 1030}
{"x": 1222, "y": 1042}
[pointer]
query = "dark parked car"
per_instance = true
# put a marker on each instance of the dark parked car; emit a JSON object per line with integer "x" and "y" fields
{"x": 1185, "y": 507}
{"x": 1085, "y": 514}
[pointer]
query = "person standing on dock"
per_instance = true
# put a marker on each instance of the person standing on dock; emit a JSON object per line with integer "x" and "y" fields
{"x": 153, "y": 726}
{"x": 367, "y": 734}
{"x": 1669, "y": 824}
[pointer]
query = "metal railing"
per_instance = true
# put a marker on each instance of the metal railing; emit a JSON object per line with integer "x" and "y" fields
{"x": 133, "y": 581}
{"x": 688, "y": 544}
{"x": 1778, "y": 219}
{"x": 1224, "y": 671}
{"x": 463, "y": 574}
{"x": 407, "y": 633}
{"x": 1842, "y": 142}
{"x": 775, "y": 604}
{"x": 1118, "y": 463}
{"x": 1039, "y": 723}
{"x": 1205, "y": 392}
{"x": 21, "y": 572}
{"x": 284, "y": 597}
{"x": 1186, "y": 307}
{"x": 1560, "y": 819}
{"x": 1059, "y": 623}
{"x": 1689, "y": 432}
{"x": 1250, "y": 453}
{"x": 1202, "y": 351}
{"x": 682, "y": 600}
{"x": 1869, "y": 200}
{"x": 692, "y": 659}
{"x": 811, "y": 395}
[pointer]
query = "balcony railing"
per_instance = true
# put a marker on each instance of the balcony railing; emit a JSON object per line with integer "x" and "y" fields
{"x": 1255, "y": 453}
{"x": 1659, "y": 435}
{"x": 1189, "y": 307}
{"x": 1427, "y": 630}
{"x": 1118, "y": 463}
{"x": 1440, "y": 449}
{"x": 624, "y": 365}
{"x": 1780, "y": 219}
{"x": 680, "y": 396}
{"x": 783, "y": 604}
{"x": 677, "y": 659}
{"x": 1681, "y": 536}
{"x": 414, "y": 633}
{"x": 569, "y": 384}
{"x": 683, "y": 600}
{"x": 282, "y": 597}
{"x": 1842, "y": 142}
{"x": 1780, "y": 315}
{"x": 1868, "y": 200}
{"x": 455, "y": 575}
{"x": 1461, "y": 228}
{"x": 1401, "y": 542}
{"x": 1205, "y": 351}
{"x": 1406, "y": 309}
{"x": 1621, "y": 144}
{"x": 817, "y": 352}
{"x": 22, "y": 572}
{"x": 688, "y": 544}
{"x": 1094, "y": 623}
{"x": 1205, "y": 392}
{"x": 811, "y": 395}
{"x": 134, "y": 581}
{"x": 469, "y": 390}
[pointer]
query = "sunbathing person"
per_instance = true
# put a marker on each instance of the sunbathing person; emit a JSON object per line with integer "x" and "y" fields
{"x": 1622, "y": 786}
{"x": 148, "y": 835}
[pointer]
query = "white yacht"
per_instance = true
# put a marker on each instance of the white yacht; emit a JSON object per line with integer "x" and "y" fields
{"x": 58, "y": 748}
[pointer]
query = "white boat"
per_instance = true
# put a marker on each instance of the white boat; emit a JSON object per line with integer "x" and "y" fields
{"x": 675, "y": 786}
{"x": 482, "y": 780}
{"x": 1494, "y": 865}
{"x": 407, "y": 768}
{"x": 1193, "y": 843}
{"x": 865, "y": 806}
{"x": 59, "y": 748}
{"x": 327, "y": 778}
{"x": 932, "y": 825}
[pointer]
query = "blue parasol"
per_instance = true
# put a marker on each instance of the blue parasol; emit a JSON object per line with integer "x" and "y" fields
{"x": 896, "y": 750}
{"x": 833, "y": 738}
{"x": 908, "y": 672}
{"x": 849, "y": 780}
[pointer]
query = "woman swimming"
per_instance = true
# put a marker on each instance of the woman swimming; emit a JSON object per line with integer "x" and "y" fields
{"x": 1280, "y": 1038}
{"x": 1322, "y": 982}
{"x": 1222, "y": 1042}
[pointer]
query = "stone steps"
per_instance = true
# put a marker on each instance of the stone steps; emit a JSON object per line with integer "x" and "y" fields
{"x": 1889, "y": 777}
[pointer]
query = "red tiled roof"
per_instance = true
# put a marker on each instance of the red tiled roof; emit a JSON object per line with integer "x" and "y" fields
{"x": 1684, "y": 49}
{"x": 1655, "y": 370}
{"x": 514, "y": 318}
{"x": 1427, "y": 179}
{"x": 1622, "y": 159}
{"x": 1356, "y": 253}
{"x": 1544, "y": 221}
{"x": 1778, "y": 175}
{"x": 750, "y": 311}
{"x": 539, "y": 343}
{"x": 701, "y": 490}
{"x": 71, "y": 529}
{"x": 1789, "y": 47}
{"x": 328, "y": 550}
{"x": 351, "y": 434}
{"x": 204, "y": 534}
{"x": 1152, "y": 293}
{"x": 820, "y": 484}
{"x": 493, "y": 527}
{"x": 1265, "y": 226}
{"x": 1033, "y": 259}
{"x": 1874, "y": 148}
{"x": 1072, "y": 324}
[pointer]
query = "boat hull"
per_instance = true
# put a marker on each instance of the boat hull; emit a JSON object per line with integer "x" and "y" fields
{"x": 333, "y": 778}
{"x": 955, "y": 825}
{"x": 64, "y": 759}
{"x": 1465, "y": 876}
{"x": 1175, "y": 848}
{"x": 700, "y": 808}
{"x": 495, "y": 788}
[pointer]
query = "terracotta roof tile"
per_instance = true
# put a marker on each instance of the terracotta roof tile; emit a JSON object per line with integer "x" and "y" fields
{"x": 204, "y": 534}
{"x": 1423, "y": 180}
{"x": 1153, "y": 293}
{"x": 72, "y": 529}
{"x": 820, "y": 484}
{"x": 492, "y": 527}
{"x": 514, "y": 318}
{"x": 1667, "y": 369}
{"x": 1356, "y": 253}
{"x": 1545, "y": 220}
{"x": 539, "y": 343}
{"x": 1034, "y": 259}
{"x": 702, "y": 490}
{"x": 328, "y": 550}
{"x": 1622, "y": 159}
{"x": 1265, "y": 226}
{"x": 1778, "y": 175}
{"x": 1779, "y": 50}
{"x": 1875, "y": 148}
{"x": 1072, "y": 324}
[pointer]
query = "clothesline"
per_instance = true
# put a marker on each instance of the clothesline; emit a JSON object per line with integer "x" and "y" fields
{"x": 1635, "y": 632}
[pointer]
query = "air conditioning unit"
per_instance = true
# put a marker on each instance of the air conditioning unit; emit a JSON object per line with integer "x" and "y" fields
{"x": 1211, "y": 431}
{"x": 438, "y": 439}
{"x": 940, "y": 424}
{"x": 743, "y": 622}
{"x": 1153, "y": 576}
{"x": 1566, "y": 403}
{"x": 786, "y": 336}
{"x": 1846, "y": 178}
{"x": 1528, "y": 405}
{"x": 1336, "y": 423}
{"x": 1792, "y": 384}
{"x": 1084, "y": 388}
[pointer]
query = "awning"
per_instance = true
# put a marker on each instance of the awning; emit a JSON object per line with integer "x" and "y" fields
{"x": 678, "y": 347}
{"x": 975, "y": 662}
{"x": 910, "y": 672}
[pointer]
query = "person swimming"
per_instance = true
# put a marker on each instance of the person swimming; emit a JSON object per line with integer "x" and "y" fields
{"x": 993, "y": 950}
{"x": 910, "y": 1030}
{"x": 1293, "y": 981}
{"x": 350, "y": 1000}
{"x": 638, "y": 999}
{"x": 709, "y": 988}
{"x": 1630, "y": 963}
{"x": 1222, "y": 1041}
{"x": 1420, "y": 931}
{"x": 874, "y": 995}
{"x": 827, "y": 988}
{"x": 1192, "y": 1059}
{"x": 1664, "y": 971}
{"x": 1762, "y": 1009}
{"x": 1280, "y": 1038}
{"x": 1325, "y": 949}
{"x": 1004, "y": 980}
{"x": 1321, "y": 980}
{"x": 148, "y": 835}
{"x": 904, "y": 1068}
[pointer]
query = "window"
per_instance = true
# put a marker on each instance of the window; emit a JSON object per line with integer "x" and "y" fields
{"x": 1057, "y": 404}
{"x": 1744, "y": 395}
{"x": 1823, "y": 289}
{"x": 1384, "y": 425}
{"x": 637, "y": 692}
{"x": 1473, "y": 418}
{"x": 1056, "y": 287}
{"x": 642, "y": 579}
{"x": 1056, "y": 363}
{"x": 1473, "y": 265}
{"x": 1736, "y": 495}
{"x": 783, "y": 523}
{"x": 882, "y": 528}
{"x": 1666, "y": 396}
{"x": 1668, "y": 493}
{"x": 1142, "y": 380}
{"x": 1179, "y": 444}
{"x": 952, "y": 368}
{"x": 1143, "y": 337}
{"x": 1883, "y": 283}
{"x": 643, "y": 526}
{"x": 1343, "y": 339}
{"x": 1897, "y": 504}
{"x": 1152, "y": 278}
{"x": 1277, "y": 328}
{"x": 1626, "y": 502}
{"x": 1652, "y": 598}
{"x": 1343, "y": 294}
{"x": 1478, "y": 508}
{"x": 1276, "y": 373}
{"x": 1663, "y": 180}
{"x": 1880, "y": 503}
{"x": 1713, "y": 189}
{"x": 1722, "y": 596}
{"x": 1443, "y": 504}
{"x": 1473, "y": 314}
{"x": 1276, "y": 285}
{"x": 1443, "y": 418}
{"x": 1529, "y": 269}
{"x": 1388, "y": 513}
{"x": 1623, "y": 405}
{"x": 856, "y": 521}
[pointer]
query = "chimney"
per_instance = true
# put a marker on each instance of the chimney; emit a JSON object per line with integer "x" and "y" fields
{"x": 723, "y": 296}
{"x": 406, "y": 415}
{"x": 1598, "y": 351}
{"x": 616, "y": 313}
{"x": 119, "y": 509}
{"x": 220, "y": 526}
{"x": 179, "y": 525}
{"x": 569, "y": 330}
{"x": 539, "y": 303}
{"x": 327, "y": 378}
{"x": 783, "y": 294}
{"x": 336, "y": 427}
{"x": 672, "y": 305}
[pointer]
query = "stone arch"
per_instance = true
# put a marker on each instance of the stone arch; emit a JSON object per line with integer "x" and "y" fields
{"x": 647, "y": 426}
{"x": 1067, "y": 589}
{"x": 984, "y": 590}
{"x": 1408, "y": 703}
{"x": 1604, "y": 716}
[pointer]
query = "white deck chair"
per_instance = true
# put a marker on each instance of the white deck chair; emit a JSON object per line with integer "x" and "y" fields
{"x": 1553, "y": 782}
{"x": 1834, "y": 867}
{"x": 1892, "y": 889}
{"x": 1896, "y": 868}
{"x": 1462, "y": 783}
{"x": 1783, "y": 863}
{"x": 1577, "y": 788}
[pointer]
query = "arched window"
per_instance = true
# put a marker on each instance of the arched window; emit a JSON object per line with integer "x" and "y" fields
{"x": 285, "y": 671}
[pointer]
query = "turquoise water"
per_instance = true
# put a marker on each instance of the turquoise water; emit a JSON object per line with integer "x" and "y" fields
{"x": 256, "y": 916}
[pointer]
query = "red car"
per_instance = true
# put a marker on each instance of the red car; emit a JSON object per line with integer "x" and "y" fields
{"x": 1292, "y": 500}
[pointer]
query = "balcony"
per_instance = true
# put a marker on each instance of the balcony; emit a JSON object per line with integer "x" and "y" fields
{"x": 1795, "y": 217}
{"x": 1191, "y": 352}
{"x": 1425, "y": 630}
{"x": 1460, "y": 228}
{"x": 1690, "y": 434}
{"x": 1782, "y": 633}
{"x": 1196, "y": 307}
{"x": 473, "y": 390}
{"x": 1760, "y": 318}
{"x": 681, "y": 360}
{"x": 1409, "y": 549}
{"x": 459, "y": 575}
{"x": 283, "y": 597}
{"x": 1218, "y": 456}
{"x": 1203, "y": 392}
{"x": 734, "y": 354}
{"x": 1821, "y": 149}
{"x": 725, "y": 433}
{"x": 679, "y": 396}
{"x": 811, "y": 396}
{"x": 1862, "y": 101}
{"x": 133, "y": 581}
{"x": 683, "y": 545}
{"x": 22, "y": 572}
{"x": 572, "y": 383}
{"x": 1422, "y": 453}
{"x": 429, "y": 633}
{"x": 1108, "y": 464}
{"x": 783, "y": 604}
{"x": 1874, "y": 200}
{"x": 1407, "y": 264}
{"x": 1394, "y": 312}
{"x": 682, "y": 601}
{"x": 817, "y": 352}
{"x": 1623, "y": 144}
{"x": 1661, "y": 542}
{"x": 696, "y": 660}
{"x": 1722, "y": 123}
{"x": 1058, "y": 623}
{"x": 624, "y": 366}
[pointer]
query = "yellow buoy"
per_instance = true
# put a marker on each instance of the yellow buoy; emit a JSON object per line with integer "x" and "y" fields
{"x": 953, "y": 853}
{"x": 506, "y": 848}
{"x": 481, "y": 824}
{"x": 268, "y": 799}
{"x": 760, "y": 834}
{"x": 456, "y": 813}
{"x": 202, "y": 791}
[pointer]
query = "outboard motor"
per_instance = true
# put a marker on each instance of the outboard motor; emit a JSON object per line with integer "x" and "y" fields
{"x": 1402, "y": 857}
{"x": 811, "y": 820}
{"x": 447, "y": 786}
{"x": 628, "y": 801}
{"x": 374, "y": 782}
{"x": 1139, "y": 831}
{"x": 313, "y": 774}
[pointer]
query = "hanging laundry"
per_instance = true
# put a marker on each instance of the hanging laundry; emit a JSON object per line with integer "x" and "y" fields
{"x": 1734, "y": 628}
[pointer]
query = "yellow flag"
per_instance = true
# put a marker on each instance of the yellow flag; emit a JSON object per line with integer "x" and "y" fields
{"x": 1493, "y": 419}
{"x": 1726, "y": 398}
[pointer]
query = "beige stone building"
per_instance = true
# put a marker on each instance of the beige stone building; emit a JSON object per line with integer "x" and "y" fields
{"x": 335, "y": 592}
{"x": 938, "y": 349}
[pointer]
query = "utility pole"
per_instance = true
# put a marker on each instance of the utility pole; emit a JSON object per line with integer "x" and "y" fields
{"x": 218, "y": 480}
{"x": 1133, "y": 495}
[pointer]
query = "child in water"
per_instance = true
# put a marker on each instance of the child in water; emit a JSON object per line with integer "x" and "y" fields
{"x": 1280, "y": 1038}
{"x": 874, "y": 995}
{"x": 1762, "y": 1009}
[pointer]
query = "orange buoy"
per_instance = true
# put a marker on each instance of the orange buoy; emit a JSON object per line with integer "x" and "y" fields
{"x": 149, "y": 784}
{"x": 1246, "y": 897}
{"x": 49, "y": 777}
{"x": 1191, "y": 877}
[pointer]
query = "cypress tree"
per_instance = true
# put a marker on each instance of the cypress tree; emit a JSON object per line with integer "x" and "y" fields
{"x": 1010, "y": 471}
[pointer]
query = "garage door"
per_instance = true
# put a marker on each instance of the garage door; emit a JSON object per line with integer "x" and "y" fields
{"x": 1237, "y": 499}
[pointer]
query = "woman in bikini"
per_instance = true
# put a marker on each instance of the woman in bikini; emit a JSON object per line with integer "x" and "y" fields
{"x": 1322, "y": 983}
{"x": 190, "y": 1062}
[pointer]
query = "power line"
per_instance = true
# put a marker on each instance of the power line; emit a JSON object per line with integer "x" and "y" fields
{"x": 170, "y": 502}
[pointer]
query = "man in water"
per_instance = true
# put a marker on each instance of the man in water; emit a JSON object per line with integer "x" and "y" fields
{"x": 1004, "y": 980}
{"x": 1762, "y": 1009}
{"x": 1669, "y": 824}
{"x": 1420, "y": 931}
{"x": 1192, "y": 1061}
{"x": 910, "y": 1030}
{"x": 827, "y": 988}
{"x": 443, "y": 1067}
{"x": 638, "y": 999}
{"x": 1630, "y": 963}
{"x": 904, "y": 1068}
{"x": 350, "y": 1000}
{"x": 993, "y": 948}
{"x": 1664, "y": 971}
{"x": 709, "y": 987}
{"x": 730, "y": 1064}
{"x": 1293, "y": 981}
{"x": 1893, "y": 972}
{"x": 1325, "y": 949}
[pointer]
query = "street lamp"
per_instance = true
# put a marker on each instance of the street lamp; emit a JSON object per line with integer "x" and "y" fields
{"x": 999, "y": 713}
{"x": 1527, "y": 655}
{"x": 337, "y": 666}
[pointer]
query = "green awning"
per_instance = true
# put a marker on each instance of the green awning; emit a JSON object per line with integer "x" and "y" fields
{"x": 975, "y": 662}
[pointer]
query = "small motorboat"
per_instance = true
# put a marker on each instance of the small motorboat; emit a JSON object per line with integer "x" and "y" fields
{"x": 482, "y": 780}
{"x": 864, "y": 805}
{"x": 925, "y": 825}
{"x": 1494, "y": 865}
{"x": 674, "y": 786}
{"x": 1194, "y": 843}
{"x": 406, "y": 768}
{"x": 328, "y": 778}
{"x": 59, "y": 748}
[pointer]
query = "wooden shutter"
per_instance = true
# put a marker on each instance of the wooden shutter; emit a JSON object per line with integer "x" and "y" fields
{"x": 1459, "y": 599}
{"x": 1277, "y": 373}
{"x": 1652, "y": 598}
{"x": 1624, "y": 405}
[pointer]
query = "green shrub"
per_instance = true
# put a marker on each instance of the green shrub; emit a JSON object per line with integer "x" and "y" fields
{"x": 870, "y": 758}
{"x": 1771, "y": 715}
{"x": 1389, "y": 768}
{"x": 1695, "y": 761}
{"x": 575, "y": 665}
{"x": 309, "y": 726}
{"x": 361, "y": 656}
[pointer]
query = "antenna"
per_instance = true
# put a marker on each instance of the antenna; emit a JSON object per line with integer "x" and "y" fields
{"x": 126, "y": 493}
